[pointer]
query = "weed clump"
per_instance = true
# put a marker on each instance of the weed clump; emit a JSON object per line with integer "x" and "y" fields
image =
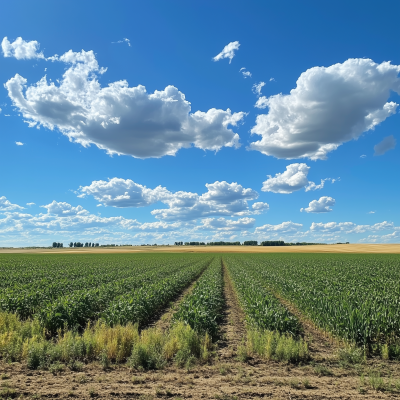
{"x": 273, "y": 345}
{"x": 181, "y": 345}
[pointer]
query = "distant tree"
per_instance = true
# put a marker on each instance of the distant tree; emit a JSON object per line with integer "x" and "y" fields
{"x": 250, "y": 243}
{"x": 71, "y": 245}
{"x": 97, "y": 245}
{"x": 54, "y": 244}
{"x": 273, "y": 243}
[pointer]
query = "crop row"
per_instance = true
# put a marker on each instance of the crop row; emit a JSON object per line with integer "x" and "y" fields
{"x": 355, "y": 297}
{"x": 202, "y": 308}
{"x": 262, "y": 310}
{"x": 25, "y": 300}
{"x": 41, "y": 270}
{"x": 142, "y": 304}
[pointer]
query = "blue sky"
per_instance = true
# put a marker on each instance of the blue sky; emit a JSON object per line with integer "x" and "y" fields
{"x": 156, "y": 122}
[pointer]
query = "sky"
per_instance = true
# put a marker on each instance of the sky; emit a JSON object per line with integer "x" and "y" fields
{"x": 155, "y": 122}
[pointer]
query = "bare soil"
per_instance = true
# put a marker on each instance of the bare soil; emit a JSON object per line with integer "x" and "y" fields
{"x": 223, "y": 380}
{"x": 233, "y": 329}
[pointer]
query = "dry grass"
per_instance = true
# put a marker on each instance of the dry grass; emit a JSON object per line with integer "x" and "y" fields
{"x": 331, "y": 248}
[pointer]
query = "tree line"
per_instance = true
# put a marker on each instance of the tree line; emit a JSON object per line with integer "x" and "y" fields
{"x": 247, "y": 243}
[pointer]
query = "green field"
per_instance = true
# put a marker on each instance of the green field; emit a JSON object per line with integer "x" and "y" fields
{"x": 74, "y": 307}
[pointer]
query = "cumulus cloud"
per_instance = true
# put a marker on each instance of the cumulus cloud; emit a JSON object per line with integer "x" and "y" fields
{"x": 246, "y": 74}
{"x": 118, "y": 118}
{"x": 223, "y": 224}
{"x": 257, "y": 87}
{"x": 228, "y": 51}
{"x": 221, "y": 198}
{"x": 260, "y": 206}
{"x": 118, "y": 192}
{"x": 6, "y": 205}
{"x": 19, "y": 143}
{"x": 322, "y": 205}
{"x": 388, "y": 143}
{"x": 314, "y": 186}
{"x": 294, "y": 178}
{"x": 351, "y": 227}
{"x": 329, "y": 106}
{"x": 30, "y": 204}
{"x": 20, "y": 49}
{"x": 262, "y": 102}
{"x": 284, "y": 227}
{"x": 64, "y": 209}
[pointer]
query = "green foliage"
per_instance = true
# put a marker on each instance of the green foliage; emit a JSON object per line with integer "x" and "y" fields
{"x": 353, "y": 296}
{"x": 68, "y": 291}
{"x": 141, "y": 305}
{"x": 276, "y": 346}
{"x": 202, "y": 308}
{"x": 263, "y": 311}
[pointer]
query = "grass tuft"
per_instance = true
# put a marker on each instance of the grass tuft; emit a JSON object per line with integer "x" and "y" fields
{"x": 276, "y": 346}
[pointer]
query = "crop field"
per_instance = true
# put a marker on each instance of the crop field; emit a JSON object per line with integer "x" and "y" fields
{"x": 154, "y": 311}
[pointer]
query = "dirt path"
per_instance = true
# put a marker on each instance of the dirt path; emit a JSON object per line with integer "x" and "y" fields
{"x": 164, "y": 321}
{"x": 233, "y": 328}
{"x": 322, "y": 346}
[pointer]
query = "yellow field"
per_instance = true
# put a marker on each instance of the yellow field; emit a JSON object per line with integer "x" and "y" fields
{"x": 332, "y": 248}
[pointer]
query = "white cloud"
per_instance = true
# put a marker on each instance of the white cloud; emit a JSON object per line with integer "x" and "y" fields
{"x": 64, "y": 209}
{"x": 284, "y": 227}
{"x": 328, "y": 107}
{"x": 6, "y": 205}
{"x": 294, "y": 178}
{"x": 272, "y": 79}
{"x": 30, "y": 204}
{"x": 322, "y": 205}
{"x": 20, "y": 49}
{"x": 388, "y": 143}
{"x": 351, "y": 227}
{"x": 371, "y": 212}
{"x": 19, "y": 143}
{"x": 228, "y": 51}
{"x": 118, "y": 118}
{"x": 257, "y": 87}
{"x": 118, "y": 192}
{"x": 363, "y": 156}
{"x": 124, "y": 40}
{"x": 260, "y": 206}
{"x": 314, "y": 186}
{"x": 246, "y": 74}
{"x": 222, "y": 198}
{"x": 223, "y": 224}
{"x": 262, "y": 102}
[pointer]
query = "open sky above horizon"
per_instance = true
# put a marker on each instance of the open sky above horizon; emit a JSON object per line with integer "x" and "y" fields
{"x": 155, "y": 122}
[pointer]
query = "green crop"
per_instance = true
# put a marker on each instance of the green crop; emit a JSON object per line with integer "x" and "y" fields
{"x": 263, "y": 311}
{"x": 355, "y": 297}
{"x": 202, "y": 308}
{"x": 69, "y": 291}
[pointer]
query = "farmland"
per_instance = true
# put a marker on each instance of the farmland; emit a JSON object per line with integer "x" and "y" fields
{"x": 65, "y": 311}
